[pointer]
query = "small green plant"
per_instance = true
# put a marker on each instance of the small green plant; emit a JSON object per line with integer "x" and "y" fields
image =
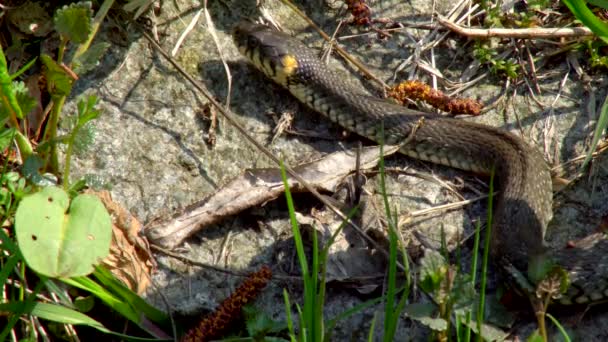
{"x": 392, "y": 310}
{"x": 543, "y": 282}
{"x": 450, "y": 289}
{"x": 486, "y": 55}
{"x": 597, "y": 59}
{"x": 59, "y": 237}
{"x": 52, "y": 233}
{"x": 518, "y": 18}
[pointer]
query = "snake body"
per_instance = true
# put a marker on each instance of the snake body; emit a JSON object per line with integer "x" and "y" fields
{"x": 524, "y": 203}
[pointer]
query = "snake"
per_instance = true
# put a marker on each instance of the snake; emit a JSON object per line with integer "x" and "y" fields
{"x": 523, "y": 204}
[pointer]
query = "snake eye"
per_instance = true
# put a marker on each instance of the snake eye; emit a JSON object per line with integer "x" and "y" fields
{"x": 252, "y": 42}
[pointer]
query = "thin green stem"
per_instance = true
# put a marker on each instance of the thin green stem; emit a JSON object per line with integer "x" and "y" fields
{"x": 486, "y": 251}
{"x": 68, "y": 158}
{"x": 467, "y": 336}
{"x": 63, "y": 42}
{"x": 51, "y": 132}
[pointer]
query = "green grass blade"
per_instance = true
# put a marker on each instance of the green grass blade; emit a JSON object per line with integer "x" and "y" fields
{"x": 127, "y": 295}
{"x": 105, "y": 296}
{"x": 317, "y": 302}
{"x": 292, "y": 333}
{"x": 583, "y": 13}
{"x": 348, "y": 313}
{"x": 15, "y": 316}
{"x": 467, "y": 336}
{"x": 24, "y": 68}
{"x": 12, "y": 261}
{"x": 602, "y": 124}
{"x": 486, "y": 251}
{"x": 294, "y": 225}
{"x": 62, "y": 295}
{"x": 559, "y": 327}
{"x": 124, "y": 301}
{"x": 391, "y": 316}
{"x": 307, "y": 319}
{"x": 372, "y": 327}
{"x": 61, "y": 314}
{"x": 406, "y": 290}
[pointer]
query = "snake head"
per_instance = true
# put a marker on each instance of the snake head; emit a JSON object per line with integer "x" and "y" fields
{"x": 268, "y": 50}
{"x": 278, "y": 55}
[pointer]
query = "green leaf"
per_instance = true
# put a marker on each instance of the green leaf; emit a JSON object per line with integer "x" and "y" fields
{"x": 59, "y": 239}
{"x": 539, "y": 267}
{"x": 8, "y": 97}
{"x": 84, "y": 304}
{"x": 90, "y": 58}
{"x": 423, "y": 312}
{"x": 599, "y": 3}
{"x": 86, "y": 110}
{"x": 59, "y": 83}
{"x": 65, "y": 315}
{"x": 433, "y": 268}
{"x": 26, "y": 101}
{"x": 535, "y": 337}
{"x": 22, "y": 96}
{"x": 84, "y": 139}
{"x": 488, "y": 332}
{"x": 74, "y": 21}
{"x": 6, "y": 138}
{"x": 31, "y": 171}
{"x": 62, "y": 314}
{"x": 259, "y": 324}
{"x": 463, "y": 292}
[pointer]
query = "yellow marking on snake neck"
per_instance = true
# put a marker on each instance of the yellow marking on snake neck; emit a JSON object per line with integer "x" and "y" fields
{"x": 290, "y": 64}
{"x": 285, "y": 70}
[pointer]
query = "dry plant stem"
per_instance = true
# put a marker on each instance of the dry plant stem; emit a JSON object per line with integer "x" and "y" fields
{"x": 449, "y": 206}
{"x": 212, "y": 31}
{"x": 229, "y": 116}
{"x": 405, "y": 26}
{"x": 532, "y": 66}
{"x": 186, "y": 31}
{"x": 523, "y": 33}
{"x": 560, "y": 169}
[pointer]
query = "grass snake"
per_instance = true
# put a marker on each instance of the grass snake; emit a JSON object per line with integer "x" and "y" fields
{"x": 524, "y": 202}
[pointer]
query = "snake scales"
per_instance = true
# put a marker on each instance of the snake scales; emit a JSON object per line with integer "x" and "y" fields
{"x": 524, "y": 204}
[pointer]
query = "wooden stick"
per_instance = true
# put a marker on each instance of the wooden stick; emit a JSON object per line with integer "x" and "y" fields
{"x": 525, "y": 33}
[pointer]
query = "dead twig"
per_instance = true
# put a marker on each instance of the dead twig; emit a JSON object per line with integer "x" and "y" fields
{"x": 212, "y": 31}
{"x": 184, "y": 34}
{"x": 521, "y": 33}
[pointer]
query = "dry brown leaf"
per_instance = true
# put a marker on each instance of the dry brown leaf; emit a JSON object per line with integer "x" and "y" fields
{"x": 130, "y": 259}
